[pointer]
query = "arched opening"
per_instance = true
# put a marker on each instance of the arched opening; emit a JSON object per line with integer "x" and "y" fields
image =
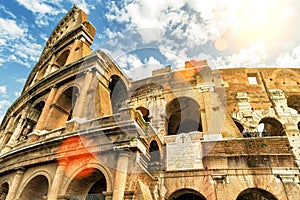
{"x": 36, "y": 189}
{"x": 63, "y": 108}
{"x": 155, "y": 159}
{"x": 4, "y": 191}
{"x": 17, "y": 127}
{"x": 186, "y": 194}
{"x": 145, "y": 113}
{"x": 271, "y": 127}
{"x": 42, "y": 73}
{"x": 298, "y": 125}
{"x": 239, "y": 126}
{"x": 118, "y": 93}
{"x": 91, "y": 182}
{"x": 61, "y": 60}
{"x": 34, "y": 116}
{"x": 183, "y": 116}
{"x": 256, "y": 194}
{"x": 293, "y": 101}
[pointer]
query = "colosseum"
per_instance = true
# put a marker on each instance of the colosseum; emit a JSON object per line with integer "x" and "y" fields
{"x": 82, "y": 130}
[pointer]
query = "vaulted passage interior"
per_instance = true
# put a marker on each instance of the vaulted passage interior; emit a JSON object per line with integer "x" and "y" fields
{"x": 256, "y": 194}
{"x": 4, "y": 191}
{"x": 145, "y": 113}
{"x": 61, "y": 60}
{"x": 239, "y": 126}
{"x": 293, "y": 101}
{"x": 186, "y": 194}
{"x": 272, "y": 127}
{"x": 36, "y": 189}
{"x": 34, "y": 116}
{"x": 155, "y": 158}
{"x": 63, "y": 108}
{"x": 88, "y": 184}
{"x": 118, "y": 92}
{"x": 183, "y": 116}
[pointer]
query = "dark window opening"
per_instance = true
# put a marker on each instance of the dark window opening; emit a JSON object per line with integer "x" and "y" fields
{"x": 4, "y": 191}
{"x": 252, "y": 78}
{"x": 256, "y": 194}
{"x": 91, "y": 182}
{"x": 63, "y": 58}
{"x": 293, "y": 101}
{"x": 239, "y": 126}
{"x": 118, "y": 93}
{"x": 155, "y": 159}
{"x": 145, "y": 113}
{"x": 183, "y": 116}
{"x": 63, "y": 108}
{"x": 37, "y": 188}
{"x": 186, "y": 194}
{"x": 271, "y": 127}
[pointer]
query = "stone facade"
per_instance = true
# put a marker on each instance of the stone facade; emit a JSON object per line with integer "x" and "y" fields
{"x": 82, "y": 130}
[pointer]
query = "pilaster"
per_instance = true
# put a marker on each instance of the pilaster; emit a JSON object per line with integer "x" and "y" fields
{"x": 120, "y": 177}
{"x": 81, "y": 101}
{"x": 41, "y": 124}
{"x": 14, "y": 187}
{"x": 58, "y": 179}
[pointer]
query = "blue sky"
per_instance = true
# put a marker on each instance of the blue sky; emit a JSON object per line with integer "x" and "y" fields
{"x": 143, "y": 35}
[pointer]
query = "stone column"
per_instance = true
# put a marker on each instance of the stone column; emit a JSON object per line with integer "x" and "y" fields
{"x": 81, "y": 101}
{"x": 49, "y": 67}
{"x": 4, "y": 134}
{"x": 120, "y": 177}
{"x": 41, "y": 124}
{"x": 220, "y": 185}
{"x": 14, "y": 187}
{"x": 9, "y": 124}
{"x": 2, "y": 138}
{"x": 18, "y": 130}
{"x": 205, "y": 108}
{"x": 58, "y": 179}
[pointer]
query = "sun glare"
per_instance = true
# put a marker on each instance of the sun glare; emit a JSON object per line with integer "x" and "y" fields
{"x": 264, "y": 19}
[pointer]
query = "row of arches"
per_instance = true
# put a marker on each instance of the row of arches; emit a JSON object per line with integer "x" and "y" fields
{"x": 248, "y": 194}
{"x": 92, "y": 183}
{"x": 62, "y": 110}
{"x": 59, "y": 62}
{"x": 182, "y": 116}
{"x": 267, "y": 126}
{"x": 89, "y": 182}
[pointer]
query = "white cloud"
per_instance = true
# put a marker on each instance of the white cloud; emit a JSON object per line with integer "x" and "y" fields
{"x": 3, "y": 90}
{"x": 175, "y": 57}
{"x": 83, "y": 5}
{"x": 3, "y": 107}
{"x": 43, "y": 10}
{"x": 17, "y": 94}
{"x": 4, "y": 104}
{"x": 10, "y": 29}
{"x": 137, "y": 69}
{"x": 183, "y": 27}
{"x": 252, "y": 56}
{"x": 38, "y": 6}
{"x": 21, "y": 80}
{"x": 291, "y": 59}
{"x": 44, "y": 37}
{"x": 19, "y": 46}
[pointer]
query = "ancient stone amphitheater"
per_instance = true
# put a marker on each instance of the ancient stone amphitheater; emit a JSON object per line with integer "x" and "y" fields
{"x": 82, "y": 130}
